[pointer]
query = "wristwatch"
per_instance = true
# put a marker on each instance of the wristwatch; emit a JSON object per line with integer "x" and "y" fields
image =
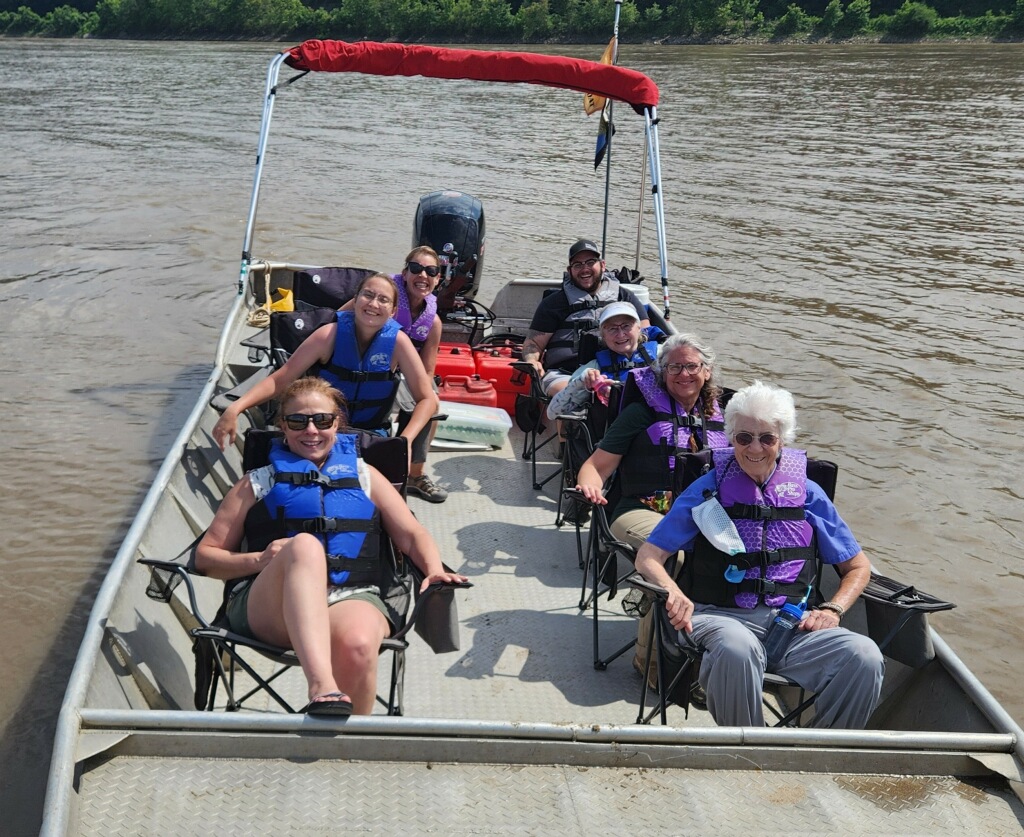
{"x": 835, "y": 607}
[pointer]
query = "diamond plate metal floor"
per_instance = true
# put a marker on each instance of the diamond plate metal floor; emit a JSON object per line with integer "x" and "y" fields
{"x": 227, "y": 797}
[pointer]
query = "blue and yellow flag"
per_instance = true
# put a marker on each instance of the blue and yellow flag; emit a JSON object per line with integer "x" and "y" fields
{"x": 604, "y": 134}
{"x": 592, "y": 103}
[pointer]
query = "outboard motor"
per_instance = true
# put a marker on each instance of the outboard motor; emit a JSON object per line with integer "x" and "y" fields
{"x": 453, "y": 224}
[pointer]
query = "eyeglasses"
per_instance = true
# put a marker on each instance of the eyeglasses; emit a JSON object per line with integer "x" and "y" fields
{"x": 415, "y": 268}
{"x": 767, "y": 440}
{"x": 582, "y": 264}
{"x": 299, "y": 421}
{"x": 625, "y": 328}
{"x": 370, "y": 296}
{"x": 679, "y": 368}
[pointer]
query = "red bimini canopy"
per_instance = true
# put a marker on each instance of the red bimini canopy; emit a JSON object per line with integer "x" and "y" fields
{"x": 621, "y": 83}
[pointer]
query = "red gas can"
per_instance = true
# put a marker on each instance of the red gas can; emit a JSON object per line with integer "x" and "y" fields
{"x": 467, "y": 389}
{"x": 495, "y": 364}
{"x": 455, "y": 359}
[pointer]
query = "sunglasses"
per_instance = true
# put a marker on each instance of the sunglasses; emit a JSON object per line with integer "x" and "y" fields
{"x": 583, "y": 263}
{"x": 678, "y": 368}
{"x": 767, "y": 440}
{"x": 299, "y": 421}
{"x": 415, "y": 268}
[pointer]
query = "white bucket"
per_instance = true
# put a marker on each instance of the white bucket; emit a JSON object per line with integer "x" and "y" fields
{"x": 641, "y": 291}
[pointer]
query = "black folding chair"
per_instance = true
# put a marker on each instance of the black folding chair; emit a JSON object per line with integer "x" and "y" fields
{"x": 220, "y": 652}
{"x": 531, "y": 419}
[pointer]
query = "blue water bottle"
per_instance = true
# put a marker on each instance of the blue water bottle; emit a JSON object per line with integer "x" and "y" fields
{"x": 780, "y": 632}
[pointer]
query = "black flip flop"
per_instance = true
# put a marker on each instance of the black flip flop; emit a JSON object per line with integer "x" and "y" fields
{"x": 336, "y": 704}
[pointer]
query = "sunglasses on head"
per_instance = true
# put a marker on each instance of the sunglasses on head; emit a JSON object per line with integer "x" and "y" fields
{"x": 415, "y": 268}
{"x": 299, "y": 421}
{"x": 767, "y": 440}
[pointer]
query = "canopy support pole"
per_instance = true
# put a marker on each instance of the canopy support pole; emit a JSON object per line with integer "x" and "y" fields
{"x": 654, "y": 160}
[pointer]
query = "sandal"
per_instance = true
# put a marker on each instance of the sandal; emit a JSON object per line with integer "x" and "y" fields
{"x": 330, "y": 704}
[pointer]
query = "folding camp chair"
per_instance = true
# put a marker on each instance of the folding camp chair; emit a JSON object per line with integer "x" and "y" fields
{"x": 220, "y": 652}
{"x": 530, "y": 419}
{"x": 891, "y": 608}
{"x": 601, "y": 573}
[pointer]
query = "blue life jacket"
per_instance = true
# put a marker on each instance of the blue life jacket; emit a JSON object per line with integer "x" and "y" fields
{"x": 367, "y": 381}
{"x": 779, "y": 561}
{"x": 328, "y": 503}
{"x": 617, "y": 366}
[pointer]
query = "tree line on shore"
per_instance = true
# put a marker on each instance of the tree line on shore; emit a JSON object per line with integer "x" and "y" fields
{"x": 518, "y": 21}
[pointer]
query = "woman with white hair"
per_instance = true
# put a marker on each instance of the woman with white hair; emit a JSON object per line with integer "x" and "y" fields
{"x": 726, "y": 602}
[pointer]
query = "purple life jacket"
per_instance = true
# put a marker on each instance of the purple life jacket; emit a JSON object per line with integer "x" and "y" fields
{"x": 419, "y": 329}
{"x": 649, "y": 469}
{"x": 710, "y": 433}
{"x": 779, "y": 545}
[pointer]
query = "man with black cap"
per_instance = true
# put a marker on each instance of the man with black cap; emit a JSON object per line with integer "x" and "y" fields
{"x": 571, "y": 311}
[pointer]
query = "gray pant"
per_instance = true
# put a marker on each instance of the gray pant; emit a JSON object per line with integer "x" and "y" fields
{"x": 843, "y": 668}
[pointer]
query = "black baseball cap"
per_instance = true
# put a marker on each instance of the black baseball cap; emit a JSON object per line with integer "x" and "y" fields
{"x": 582, "y": 246}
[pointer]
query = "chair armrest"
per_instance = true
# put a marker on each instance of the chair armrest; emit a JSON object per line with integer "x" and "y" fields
{"x": 423, "y": 598}
{"x": 182, "y": 571}
{"x": 638, "y": 581}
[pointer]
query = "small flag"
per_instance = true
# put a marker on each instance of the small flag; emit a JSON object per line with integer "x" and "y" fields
{"x": 592, "y": 103}
{"x": 604, "y": 134}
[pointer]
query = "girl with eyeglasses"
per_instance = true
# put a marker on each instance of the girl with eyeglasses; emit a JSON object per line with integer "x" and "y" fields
{"x": 726, "y": 602}
{"x": 358, "y": 353}
{"x": 318, "y": 594}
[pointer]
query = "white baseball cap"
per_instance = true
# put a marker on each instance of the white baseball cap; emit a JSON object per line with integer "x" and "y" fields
{"x": 618, "y": 309}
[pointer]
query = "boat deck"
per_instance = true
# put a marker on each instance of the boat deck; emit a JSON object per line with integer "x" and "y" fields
{"x": 451, "y": 765}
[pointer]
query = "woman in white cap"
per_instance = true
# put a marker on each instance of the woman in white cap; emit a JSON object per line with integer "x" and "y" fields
{"x": 623, "y": 347}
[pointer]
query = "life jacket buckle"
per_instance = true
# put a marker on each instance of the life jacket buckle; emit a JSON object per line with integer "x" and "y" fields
{"x": 321, "y": 525}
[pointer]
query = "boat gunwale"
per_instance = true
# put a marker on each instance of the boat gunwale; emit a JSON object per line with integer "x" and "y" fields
{"x": 56, "y": 805}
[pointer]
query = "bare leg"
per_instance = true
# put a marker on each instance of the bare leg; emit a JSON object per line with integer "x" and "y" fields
{"x": 288, "y": 607}
{"x": 357, "y": 630}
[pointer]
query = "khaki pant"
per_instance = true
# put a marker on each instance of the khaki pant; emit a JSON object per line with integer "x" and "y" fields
{"x": 633, "y": 527}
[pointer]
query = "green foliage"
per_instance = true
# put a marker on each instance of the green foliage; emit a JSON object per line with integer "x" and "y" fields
{"x": 512, "y": 20}
{"x": 22, "y": 22}
{"x": 1014, "y": 26}
{"x": 986, "y": 26}
{"x": 534, "y": 21}
{"x": 794, "y": 20}
{"x": 856, "y": 19}
{"x": 912, "y": 20}
{"x": 704, "y": 17}
{"x": 744, "y": 16}
{"x": 831, "y": 18}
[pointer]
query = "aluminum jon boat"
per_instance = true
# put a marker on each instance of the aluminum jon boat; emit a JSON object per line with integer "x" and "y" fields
{"x": 517, "y": 731}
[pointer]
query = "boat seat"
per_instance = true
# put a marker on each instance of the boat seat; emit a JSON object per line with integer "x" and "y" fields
{"x": 317, "y": 294}
{"x": 220, "y": 652}
{"x": 327, "y": 287}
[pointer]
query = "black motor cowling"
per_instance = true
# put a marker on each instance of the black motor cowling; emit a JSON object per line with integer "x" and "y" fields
{"x": 453, "y": 224}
